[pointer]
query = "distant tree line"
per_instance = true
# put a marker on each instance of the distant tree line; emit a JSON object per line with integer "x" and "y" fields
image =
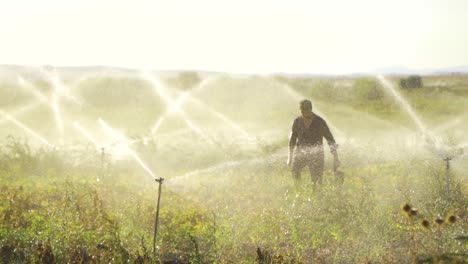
{"x": 411, "y": 82}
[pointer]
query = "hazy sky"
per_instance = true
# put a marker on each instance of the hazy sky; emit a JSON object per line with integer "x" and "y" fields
{"x": 237, "y": 36}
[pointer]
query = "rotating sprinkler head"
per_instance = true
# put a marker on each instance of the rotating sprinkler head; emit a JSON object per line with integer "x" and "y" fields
{"x": 160, "y": 180}
{"x": 447, "y": 153}
{"x": 444, "y": 151}
{"x": 450, "y": 153}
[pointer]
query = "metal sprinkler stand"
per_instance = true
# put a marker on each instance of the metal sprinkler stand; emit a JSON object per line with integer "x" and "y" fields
{"x": 103, "y": 160}
{"x": 156, "y": 224}
{"x": 447, "y": 175}
{"x": 454, "y": 153}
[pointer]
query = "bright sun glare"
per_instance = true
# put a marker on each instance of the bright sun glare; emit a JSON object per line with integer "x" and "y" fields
{"x": 236, "y": 36}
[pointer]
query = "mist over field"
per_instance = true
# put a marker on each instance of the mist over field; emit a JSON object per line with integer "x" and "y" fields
{"x": 81, "y": 149}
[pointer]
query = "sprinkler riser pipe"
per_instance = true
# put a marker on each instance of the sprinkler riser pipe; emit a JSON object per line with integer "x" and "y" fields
{"x": 156, "y": 222}
{"x": 447, "y": 176}
{"x": 103, "y": 157}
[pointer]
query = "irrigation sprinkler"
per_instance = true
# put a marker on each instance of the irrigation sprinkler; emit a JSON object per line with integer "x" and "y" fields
{"x": 447, "y": 154}
{"x": 156, "y": 222}
{"x": 121, "y": 138}
{"x": 452, "y": 153}
{"x": 447, "y": 175}
{"x": 103, "y": 160}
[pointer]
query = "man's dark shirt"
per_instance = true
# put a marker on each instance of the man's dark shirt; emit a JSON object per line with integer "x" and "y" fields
{"x": 312, "y": 136}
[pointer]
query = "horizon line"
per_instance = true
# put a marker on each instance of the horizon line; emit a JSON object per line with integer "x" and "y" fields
{"x": 389, "y": 70}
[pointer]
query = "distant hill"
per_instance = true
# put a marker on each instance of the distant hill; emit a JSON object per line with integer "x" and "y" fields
{"x": 11, "y": 72}
{"x": 458, "y": 69}
{"x": 400, "y": 70}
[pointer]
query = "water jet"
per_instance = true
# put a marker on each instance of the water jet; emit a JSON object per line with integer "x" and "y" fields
{"x": 389, "y": 87}
{"x": 446, "y": 153}
{"x": 86, "y": 134}
{"x": 60, "y": 88}
{"x": 125, "y": 141}
{"x": 173, "y": 106}
{"x": 24, "y": 127}
{"x": 58, "y": 117}
{"x": 22, "y": 110}
{"x": 33, "y": 89}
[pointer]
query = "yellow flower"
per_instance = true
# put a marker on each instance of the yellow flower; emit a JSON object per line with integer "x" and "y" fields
{"x": 406, "y": 208}
{"x": 451, "y": 219}
{"x": 425, "y": 224}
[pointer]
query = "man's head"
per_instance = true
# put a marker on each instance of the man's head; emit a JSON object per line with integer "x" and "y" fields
{"x": 306, "y": 108}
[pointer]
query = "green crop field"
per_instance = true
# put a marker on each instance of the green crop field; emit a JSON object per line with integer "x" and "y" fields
{"x": 80, "y": 152}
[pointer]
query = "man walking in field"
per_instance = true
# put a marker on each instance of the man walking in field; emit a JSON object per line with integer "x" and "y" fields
{"x": 306, "y": 144}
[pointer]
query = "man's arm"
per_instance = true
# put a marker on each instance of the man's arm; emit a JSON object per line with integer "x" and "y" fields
{"x": 292, "y": 142}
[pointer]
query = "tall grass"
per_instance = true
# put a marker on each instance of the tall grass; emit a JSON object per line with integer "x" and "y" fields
{"x": 241, "y": 213}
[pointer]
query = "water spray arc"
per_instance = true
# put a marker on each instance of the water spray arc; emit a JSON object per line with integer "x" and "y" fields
{"x": 160, "y": 180}
{"x": 224, "y": 118}
{"x": 24, "y": 127}
{"x": 60, "y": 88}
{"x": 58, "y": 116}
{"x": 185, "y": 96}
{"x": 158, "y": 124}
{"x": 22, "y": 110}
{"x": 449, "y": 124}
{"x": 53, "y": 104}
{"x": 86, "y": 134}
{"x": 40, "y": 96}
{"x": 447, "y": 154}
{"x": 121, "y": 138}
{"x": 389, "y": 87}
{"x": 173, "y": 107}
{"x": 273, "y": 158}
